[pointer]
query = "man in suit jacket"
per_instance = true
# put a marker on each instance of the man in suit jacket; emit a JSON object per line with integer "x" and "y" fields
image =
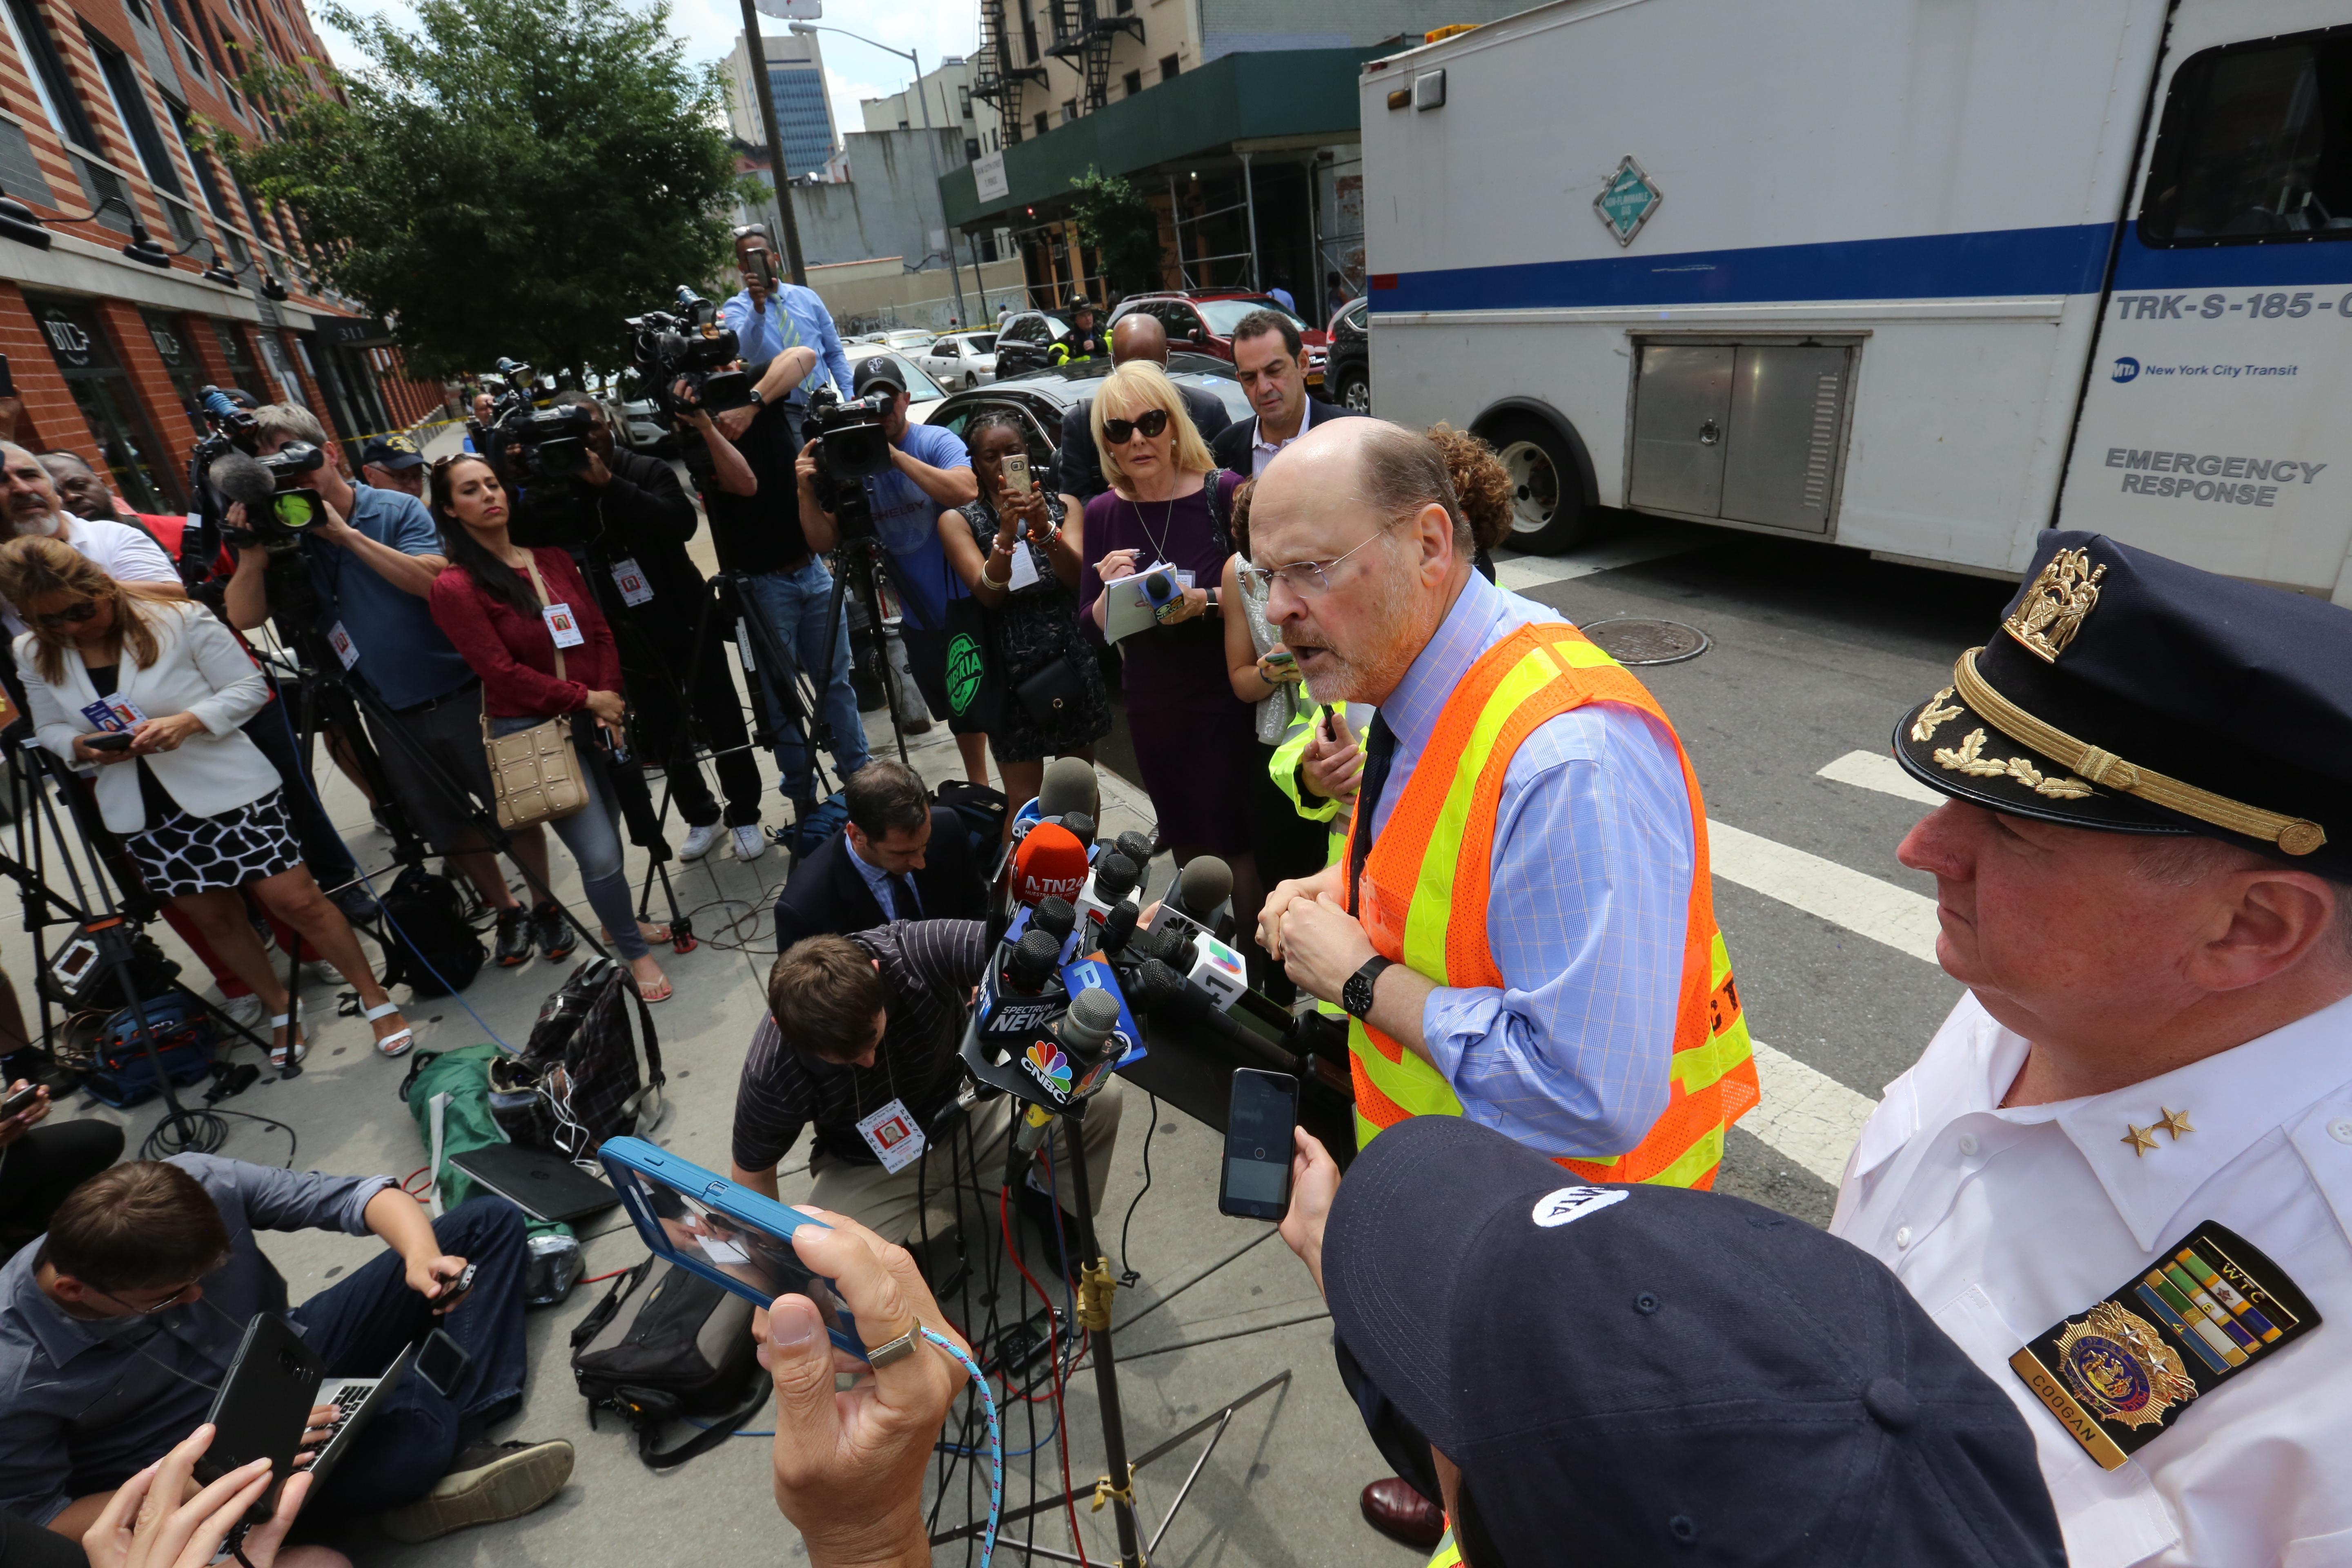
{"x": 1138, "y": 335}
{"x": 1270, "y": 360}
{"x": 900, "y": 858}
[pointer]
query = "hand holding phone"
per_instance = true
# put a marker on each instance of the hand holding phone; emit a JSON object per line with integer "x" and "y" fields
{"x": 1260, "y": 1122}
{"x": 1016, "y": 473}
{"x": 110, "y": 740}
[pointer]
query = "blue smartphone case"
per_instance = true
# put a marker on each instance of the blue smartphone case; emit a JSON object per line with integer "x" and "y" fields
{"x": 650, "y": 1178}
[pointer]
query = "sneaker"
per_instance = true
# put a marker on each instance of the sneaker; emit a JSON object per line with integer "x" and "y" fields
{"x": 486, "y": 1483}
{"x": 356, "y": 902}
{"x": 749, "y": 842}
{"x": 516, "y": 942}
{"x": 554, "y": 933}
{"x": 698, "y": 841}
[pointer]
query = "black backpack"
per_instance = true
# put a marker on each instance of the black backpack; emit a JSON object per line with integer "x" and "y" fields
{"x": 665, "y": 1343}
{"x": 434, "y": 950}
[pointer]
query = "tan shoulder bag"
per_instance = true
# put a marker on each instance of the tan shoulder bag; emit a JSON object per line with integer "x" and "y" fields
{"x": 535, "y": 772}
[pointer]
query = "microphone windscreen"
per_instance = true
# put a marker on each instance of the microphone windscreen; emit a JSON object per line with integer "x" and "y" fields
{"x": 1050, "y": 864}
{"x": 239, "y": 478}
{"x": 1088, "y": 1025}
{"x": 1201, "y": 886}
{"x": 1137, "y": 847}
{"x": 1118, "y": 927}
{"x": 1057, "y": 917}
{"x": 1081, "y": 824}
{"x": 1069, "y": 786}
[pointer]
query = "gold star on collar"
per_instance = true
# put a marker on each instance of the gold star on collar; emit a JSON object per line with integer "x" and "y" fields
{"x": 2141, "y": 1139}
{"x": 2173, "y": 1122}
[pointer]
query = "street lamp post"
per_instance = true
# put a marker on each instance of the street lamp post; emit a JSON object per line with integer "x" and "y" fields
{"x": 955, "y": 274}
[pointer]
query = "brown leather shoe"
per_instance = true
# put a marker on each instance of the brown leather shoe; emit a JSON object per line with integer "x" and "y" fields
{"x": 1393, "y": 1507}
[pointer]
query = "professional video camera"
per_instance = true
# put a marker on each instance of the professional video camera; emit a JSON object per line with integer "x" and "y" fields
{"x": 851, "y": 445}
{"x": 294, "y": 497}
{"x": 686, "y": 343}
{"x": 553, "y": 442}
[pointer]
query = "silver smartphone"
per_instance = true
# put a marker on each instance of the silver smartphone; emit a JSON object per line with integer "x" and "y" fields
{"x": 1016, "y": 473}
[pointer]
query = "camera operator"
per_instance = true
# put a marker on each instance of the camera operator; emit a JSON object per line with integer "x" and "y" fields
{"x": 788, "y": 587}
{"x": 864, "y": 1023}
{"x": 373, "y": 557}
{"x": 931, "y": 471}
{"x": 644, "y": 518}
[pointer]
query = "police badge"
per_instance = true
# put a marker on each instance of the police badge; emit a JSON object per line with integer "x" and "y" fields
{"x": 2047, "y": 619}
{"x": 2116, "y": 1379}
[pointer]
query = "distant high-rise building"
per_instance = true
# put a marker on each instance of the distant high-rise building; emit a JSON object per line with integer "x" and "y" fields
{"x": 804, "y": 129}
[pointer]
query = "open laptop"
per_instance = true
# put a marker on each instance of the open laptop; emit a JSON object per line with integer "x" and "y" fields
{"x": 543, "y": 1186}
{"x": 264, "y": 1403}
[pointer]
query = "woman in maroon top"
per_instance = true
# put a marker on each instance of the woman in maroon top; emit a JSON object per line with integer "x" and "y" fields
{"x": 496, "y": 603}
{"x": 1194, "y": 741}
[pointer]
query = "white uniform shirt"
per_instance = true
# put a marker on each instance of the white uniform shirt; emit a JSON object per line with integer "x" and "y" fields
{"x": 126, "y": 554}
{"x": 2003, "y": 1222}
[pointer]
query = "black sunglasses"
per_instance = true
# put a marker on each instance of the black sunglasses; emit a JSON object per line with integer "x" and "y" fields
{"x": 71, "y": 615}
{"x": 1153, "y": 422}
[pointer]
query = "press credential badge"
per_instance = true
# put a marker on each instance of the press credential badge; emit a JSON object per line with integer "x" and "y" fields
{"x": 635, "y": 591}
{"x": 341, "y": 641}
{"x": 562, "y": 625}
{"x": 893, "y": 1136}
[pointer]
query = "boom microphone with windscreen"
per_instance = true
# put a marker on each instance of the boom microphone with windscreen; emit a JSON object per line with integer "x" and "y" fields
{"x": 1069, "y": 785}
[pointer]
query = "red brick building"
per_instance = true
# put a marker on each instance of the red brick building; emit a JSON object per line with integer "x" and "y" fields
{"x": 99, "y": 103}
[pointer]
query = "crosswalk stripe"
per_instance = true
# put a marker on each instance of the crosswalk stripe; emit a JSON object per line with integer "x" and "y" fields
{"x": 1897, "y": 916}
{"x": 1877, "y": 770}
{"x": 1807, "y": 1116}
{"x": 1653, "y": 540}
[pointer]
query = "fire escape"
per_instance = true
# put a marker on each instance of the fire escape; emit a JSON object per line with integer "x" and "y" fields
{"x": 1083, "y": 38}
{"x": 999, "y": 74}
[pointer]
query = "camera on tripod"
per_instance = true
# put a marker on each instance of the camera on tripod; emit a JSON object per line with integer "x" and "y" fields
{"x": 294, "y": 503}
{"x": 686, "y": 343}
{"x": 852, "y": 445}
{"x": 553, "y": 442}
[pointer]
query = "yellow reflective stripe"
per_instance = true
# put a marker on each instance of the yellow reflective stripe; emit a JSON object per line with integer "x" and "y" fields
{"x": 1696, "y": 1162}
{"x": 1410, "y": 1084}
{"x": 1449, "y": 1551}
{"x": 1703, "y": 1066}
{"x": 1432, "y": 909}
{"x": 1284, "y": 768}
{"x": 1577, "y": 653}
{"x": 1718, "y": 962}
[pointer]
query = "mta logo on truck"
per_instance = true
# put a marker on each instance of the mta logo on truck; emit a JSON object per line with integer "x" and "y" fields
{"x": 2126, "y": 368}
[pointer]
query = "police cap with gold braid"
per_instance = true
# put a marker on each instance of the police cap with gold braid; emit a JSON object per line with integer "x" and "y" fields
{"x": 2128, "y": 693}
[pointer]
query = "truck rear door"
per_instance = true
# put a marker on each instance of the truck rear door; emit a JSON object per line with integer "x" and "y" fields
{"x": 2212, "y": 427}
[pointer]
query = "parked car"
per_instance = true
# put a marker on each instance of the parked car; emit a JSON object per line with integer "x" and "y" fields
{"x": 637, "y": 421}
{"x": 960, "y": 359}
{"x": 924, "y": 394}
{"x": 1203, "y": 321}
{"x": 1348, "y": 373}
{"x": 1038, "y": 398}
{"x": 1024, "y": 340}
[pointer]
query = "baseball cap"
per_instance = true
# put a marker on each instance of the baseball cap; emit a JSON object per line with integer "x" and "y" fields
{"x": 877, "y": 369}
{"x": 1633, "y": 1374}
{"x": 391, "y": 452}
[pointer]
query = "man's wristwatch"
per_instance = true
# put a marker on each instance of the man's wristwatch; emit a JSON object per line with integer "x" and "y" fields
{"x": 759, "y": 398}
{"x": 1356, "y": 997}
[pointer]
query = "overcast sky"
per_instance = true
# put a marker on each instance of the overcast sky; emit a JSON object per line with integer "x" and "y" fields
{"x": 853, "y": 71}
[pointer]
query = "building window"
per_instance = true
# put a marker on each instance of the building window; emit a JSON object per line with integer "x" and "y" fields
{"x": 1070, "y": 110}
{"x": 1168, "y": 68}
{"x": 130, "y": 108}
{"x": 1029, "y": 35}
{"x": 963, "y": 96}
{"x": 1044, "y": 122}
{"x": 48, "y": 74}
{"x": 101, "y": 390}
{"x": 1134, "y": 82}
{"x": 971, "y": 149}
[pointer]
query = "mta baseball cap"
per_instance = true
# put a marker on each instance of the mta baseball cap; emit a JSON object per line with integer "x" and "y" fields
{"x": 2127, "y": 693}
{"x": 391, "y": 452}
{"x": 1652, "y": 1375}
{"x": 877, "y": 369}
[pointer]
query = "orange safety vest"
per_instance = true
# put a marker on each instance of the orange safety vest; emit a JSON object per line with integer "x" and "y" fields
{"x": 1423, "y": 904}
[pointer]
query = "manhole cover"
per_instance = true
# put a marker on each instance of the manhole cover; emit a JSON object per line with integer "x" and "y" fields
{"x": 1634, "y": 641}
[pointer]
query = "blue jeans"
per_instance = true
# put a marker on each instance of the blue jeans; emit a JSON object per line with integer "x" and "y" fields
{"x": 793, "y": 606}
{"x": 595, "y": 841}
{"x": 358, "y": 1325}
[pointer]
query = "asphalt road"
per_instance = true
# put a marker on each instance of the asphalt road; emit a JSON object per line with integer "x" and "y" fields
{"x": 1815, "y": 651}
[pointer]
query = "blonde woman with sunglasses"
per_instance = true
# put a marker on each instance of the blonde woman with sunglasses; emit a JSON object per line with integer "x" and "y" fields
{"x": 150, "y": 694}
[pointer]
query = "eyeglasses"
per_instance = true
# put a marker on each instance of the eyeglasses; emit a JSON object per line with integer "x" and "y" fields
{"x": 1151, "y": 422}
{"x": 71, "y": 615}
{"x": 173, "y": 1300}
{"x": 1307, "y": 578}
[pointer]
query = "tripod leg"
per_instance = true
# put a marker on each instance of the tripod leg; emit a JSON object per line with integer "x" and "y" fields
{"x": 872, "y": 594}
{"x": 1095, "y": 1293}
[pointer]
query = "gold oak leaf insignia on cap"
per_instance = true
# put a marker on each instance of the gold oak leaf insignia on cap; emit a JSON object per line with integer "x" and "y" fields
{"x": 1967, "y": 758}
{"x": 1933, "y": 716}
{"x": 2054, "y": 608}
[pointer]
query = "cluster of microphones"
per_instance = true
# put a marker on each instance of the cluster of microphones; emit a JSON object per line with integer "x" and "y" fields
{"x": 1074, "y": 961}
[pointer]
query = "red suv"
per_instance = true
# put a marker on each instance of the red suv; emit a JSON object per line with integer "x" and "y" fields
{"x": 1203, "y": 321}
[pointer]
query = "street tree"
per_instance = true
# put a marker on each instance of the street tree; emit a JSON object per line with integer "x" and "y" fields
{"x": 1117, "y": 221}
{"x": 512, "y": 177}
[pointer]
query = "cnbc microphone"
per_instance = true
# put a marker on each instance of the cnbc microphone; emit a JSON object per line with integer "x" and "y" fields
{"x": 1076, "y": 1063}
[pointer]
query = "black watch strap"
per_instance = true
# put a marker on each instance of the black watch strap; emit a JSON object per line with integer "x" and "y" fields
{"x": 1356, "y": 996}
{"x": 759, "y": 400}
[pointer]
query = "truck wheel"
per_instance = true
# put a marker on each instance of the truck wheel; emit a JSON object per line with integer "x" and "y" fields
{"x": 1355, "y": 391}
{"x": 1547, "y": 492}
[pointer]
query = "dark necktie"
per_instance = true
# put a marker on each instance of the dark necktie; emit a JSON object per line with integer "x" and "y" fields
{"x": 1380, "y": 752}
{"x": 903, "y": 906}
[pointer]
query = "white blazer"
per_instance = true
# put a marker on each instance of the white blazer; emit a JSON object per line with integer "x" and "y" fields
{"x": 200, "y": 669}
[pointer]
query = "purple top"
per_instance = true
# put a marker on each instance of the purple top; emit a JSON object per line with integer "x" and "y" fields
{"x": 1180, "y": 664}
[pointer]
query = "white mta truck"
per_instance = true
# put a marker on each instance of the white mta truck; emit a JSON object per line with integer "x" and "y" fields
{"x": 1919, "y": 277}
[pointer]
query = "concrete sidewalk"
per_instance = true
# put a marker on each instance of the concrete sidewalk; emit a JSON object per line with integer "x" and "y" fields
{"x": 1280, "y": 1490}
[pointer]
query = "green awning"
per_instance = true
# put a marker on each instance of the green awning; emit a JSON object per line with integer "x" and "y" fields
{"x": 1240, "y": 98}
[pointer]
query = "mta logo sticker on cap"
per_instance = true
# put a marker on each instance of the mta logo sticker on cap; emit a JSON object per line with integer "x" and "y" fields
{"x": 1557, "y": 1208}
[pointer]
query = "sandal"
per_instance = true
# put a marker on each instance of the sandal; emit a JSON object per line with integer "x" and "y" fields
{"x": 283, "y": 1057}
{"x": 395, "y": 1044}
{"x": 668, "y": 990}
{"x": 654, "y": 935}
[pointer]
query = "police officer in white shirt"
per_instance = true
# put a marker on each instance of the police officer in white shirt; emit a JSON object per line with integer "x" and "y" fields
{"x": 2120, "y": 1177}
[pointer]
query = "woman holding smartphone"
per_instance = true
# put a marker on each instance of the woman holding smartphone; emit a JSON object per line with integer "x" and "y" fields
{"x": 1010, "y": 549}
{"x": 150, "y": 693}
{"x": 508, "y": 609}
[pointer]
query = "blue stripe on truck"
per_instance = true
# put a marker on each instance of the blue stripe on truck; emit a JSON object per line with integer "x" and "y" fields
{"x": 1996, "y": 262}
{"x": 2271, "y": 263}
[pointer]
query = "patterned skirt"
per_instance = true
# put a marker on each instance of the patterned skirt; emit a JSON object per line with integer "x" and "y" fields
{"x": 185, "y": 854}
